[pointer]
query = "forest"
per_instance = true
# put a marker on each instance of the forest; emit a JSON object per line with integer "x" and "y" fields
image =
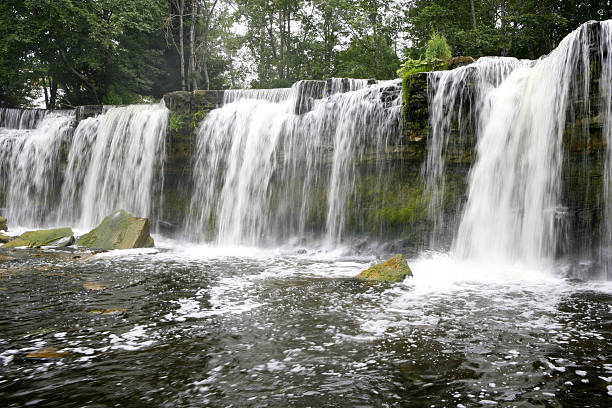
{"x": 67, "y": 53}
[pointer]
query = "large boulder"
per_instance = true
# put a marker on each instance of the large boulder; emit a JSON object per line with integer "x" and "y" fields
{"x": 36, "y": 239}
{"x": 119, "y": 230}
{"x": 3, "y": 226}
{"x": 395, "y": 269}
{"x": 4, "y": 238}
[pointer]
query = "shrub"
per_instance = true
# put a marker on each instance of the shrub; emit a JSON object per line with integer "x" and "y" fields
{"x": 437, "y": 48}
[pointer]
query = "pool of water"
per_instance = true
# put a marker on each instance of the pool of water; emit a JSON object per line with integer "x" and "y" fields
{"x": 186, "y": 325}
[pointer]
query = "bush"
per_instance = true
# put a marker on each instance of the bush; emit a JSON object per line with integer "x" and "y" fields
{"x": 437, "y": 48}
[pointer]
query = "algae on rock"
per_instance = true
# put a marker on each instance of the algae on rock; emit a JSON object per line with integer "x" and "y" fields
{"x": 392, "y": 270}
{"x": 36, "y": 239}
{"x": 3, "y": 224}
{"x": 119, "y": 230}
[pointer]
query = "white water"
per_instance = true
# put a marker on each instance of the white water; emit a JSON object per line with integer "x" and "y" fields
{"x": 262, "y": 171}
{"x": 21, "y": 118}
{"x": 605, "y": 90}
{"x": 518, "y": 112}
{"x": 29, "y": 159}
{"x": 514, "y": 188}
{"x": 459, "y": 103}
{"x": 115, "y": 162}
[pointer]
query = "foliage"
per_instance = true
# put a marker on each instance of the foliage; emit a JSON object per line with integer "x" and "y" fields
{"x": 437, "y": 48}
{"x": 114, "y": 51}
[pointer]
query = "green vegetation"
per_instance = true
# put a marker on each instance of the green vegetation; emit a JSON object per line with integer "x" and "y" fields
{"x": 70, "y": 53}
{"x": 119, "y": 230}
{"x": 437, "y": 48}
{"x": 393, "y": 270}
{"x": 36, "y": 239}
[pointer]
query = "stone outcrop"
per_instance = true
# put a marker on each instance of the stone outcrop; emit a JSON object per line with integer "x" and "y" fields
{"x": 39, "y": 238}
{"x": 392, "y": 270}
{"x": 119, "y": 230}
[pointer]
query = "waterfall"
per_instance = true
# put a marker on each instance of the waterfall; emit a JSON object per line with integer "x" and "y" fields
{"x": 30, "y": 149}
{"x": 605, "y": 90}
{"x": 20, "y": 118}
{"x": 458, "y": 105}
{"x": 115, "y": 162}
{"x": 266, "y": 163}
{"x": 514, "y": 185}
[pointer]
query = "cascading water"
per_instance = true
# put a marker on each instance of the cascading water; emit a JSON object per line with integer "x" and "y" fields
{"x": 605, "y": 91}
{"x": 514, "y": 185}
{"x": 115, "y": 162}
{"x": 263, "y": 166}
{"x": 458, "y": 105}
{"x": 20, "y": 118}
{"x": 30, "y": 149}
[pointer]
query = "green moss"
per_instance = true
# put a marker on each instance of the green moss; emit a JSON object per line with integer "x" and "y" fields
{"x": 178, "y": 122}
{"x": 393, "y": 270}
{"x": 36, "y": 239}
{"x": 199, "y": 116}
{"x": 119, "y": 230}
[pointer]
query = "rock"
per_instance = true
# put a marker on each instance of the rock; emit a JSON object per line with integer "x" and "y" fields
{"x": 36, "y": 239}
{"x": 394, "y": 270}
{"x": 3, "y": 226}
{"x": 119, "y": 230}
{"x": 47, "y": 353}
{"x": 4, "y": 238}
{"x": 93, "y": 286}
{"x": 63, "y": 242}
{"x": 457, "y": 62}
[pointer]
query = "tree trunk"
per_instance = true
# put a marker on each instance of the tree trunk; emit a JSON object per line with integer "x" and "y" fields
{"x": 46, "y": 93}
{"x": 181, "y": 11}
{"x": 53, "y": 94}
{"x": 288, "y": 42}
{"x": 192, "y": 57}
{"x": 473, "y": 15}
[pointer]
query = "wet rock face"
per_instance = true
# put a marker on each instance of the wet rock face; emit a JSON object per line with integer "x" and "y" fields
{"x": 3, "y": 226}
{"x": 393, "y": 270}
{"x": 36, "y": 239}
{"x": 119, "y": 230}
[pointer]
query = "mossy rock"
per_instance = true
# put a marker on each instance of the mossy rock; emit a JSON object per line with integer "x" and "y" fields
{"x": 119, "y": 230}
{"x": 4, "y": 238}
{"x": 3, "y": 224}
{"x": 393, "y": 270}
{"x": 36, "y": 239}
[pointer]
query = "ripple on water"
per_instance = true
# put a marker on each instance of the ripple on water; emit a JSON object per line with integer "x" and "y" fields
{"x": 204, "y": 326}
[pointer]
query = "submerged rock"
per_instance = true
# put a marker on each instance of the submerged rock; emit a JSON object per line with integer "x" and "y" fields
{"x": 36, "y": 239}
{"x": 93, "y": 286}
{"x": 3, "y": 226}
{"x": 47, "y": 353}
{"x": 394, "y": 270}
{"x": 119, "y": 230}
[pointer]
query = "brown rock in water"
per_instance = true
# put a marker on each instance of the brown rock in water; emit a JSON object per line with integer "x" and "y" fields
{"x": 47, "y": 353}
{"x": 393, "y": 270}
{"x": 93, "y": 286}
